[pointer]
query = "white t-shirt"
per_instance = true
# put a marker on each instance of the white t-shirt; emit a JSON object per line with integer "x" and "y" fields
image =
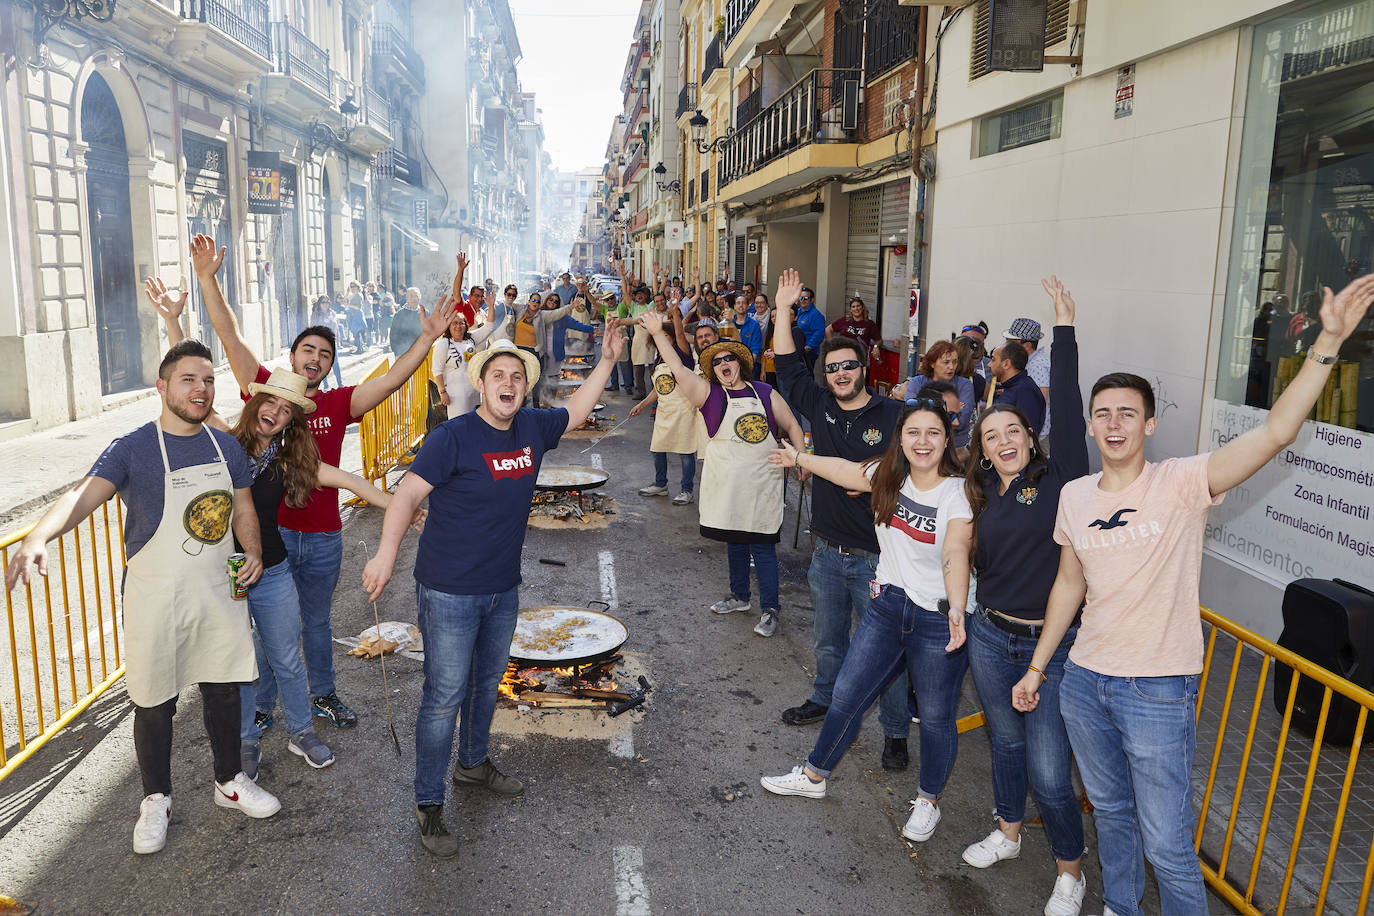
{"x": 451, "y": 358}
{"x": 911, "y": 542}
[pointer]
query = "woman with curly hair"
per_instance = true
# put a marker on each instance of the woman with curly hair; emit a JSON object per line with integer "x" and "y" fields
{"x": 941, "y": 364}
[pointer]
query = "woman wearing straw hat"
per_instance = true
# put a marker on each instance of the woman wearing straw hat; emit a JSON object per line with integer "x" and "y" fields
{"x": 741, "y": 494}
{"x": 286, "y": 467}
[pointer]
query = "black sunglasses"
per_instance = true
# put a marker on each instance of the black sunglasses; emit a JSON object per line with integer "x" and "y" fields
{"x": 804, "y": 298}
{"x": 849, "y": 365}
{"x": 932, "y": 405}
{"x": 724, "y": 358}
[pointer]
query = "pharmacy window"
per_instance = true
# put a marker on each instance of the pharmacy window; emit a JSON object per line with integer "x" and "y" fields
{"x": 1304, "y": 209}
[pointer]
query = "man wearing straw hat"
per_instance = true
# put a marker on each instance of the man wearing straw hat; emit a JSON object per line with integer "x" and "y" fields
{"x": 478, "y": 471}
{"x": 184, "y": 486}
{"x": 741, "y": 493}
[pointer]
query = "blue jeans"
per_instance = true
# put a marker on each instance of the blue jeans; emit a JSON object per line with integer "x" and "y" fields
{"x": 467, "y": 648}
{"x": 622, "y": 374}
{"x": 839, "y": 592}
{"x": 276, "y": 616}
{"x": 315, "y": 557}
{"x": 894, "y": 634}
{"x": 765, "y": 567}
{"x": 1134, "y": 739}
{"x": 689, "y": 469}
{"x": 338, "y": 377}
{"x": 1026, "y": 747}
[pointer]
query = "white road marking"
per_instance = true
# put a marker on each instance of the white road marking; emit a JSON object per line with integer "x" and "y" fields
{"x": 596, "y": 460}
{"x": 623, "y": 745}
{"x": 631, "y": 899}
{"x": 608, "y": 589}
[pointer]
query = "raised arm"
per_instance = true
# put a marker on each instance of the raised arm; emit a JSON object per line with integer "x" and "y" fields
{"x": 1238, "y": 459}
{"x": 206, "y": 261}
{"x": 694, "y": 388}
{"x": 1068, "y": 428}
{"x": 168, "y": 306}
{"x": 848, "y": 475}
{"x": 463, "y": 263}
{"x": 584, "y": 399}
{"x": 70, "y": 509}
{"x": 371, "y": 393}
{"x": 1066, "y": 597}
{"x": 789, "y": 289}
{"x": 680, "y": 330}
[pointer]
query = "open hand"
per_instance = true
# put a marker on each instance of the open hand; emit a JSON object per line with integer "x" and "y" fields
{"x": 652, "y": 321}
{"x": 789, "y": 289}
{"x": 204, "y": 261}
{"x": 783, "y": 457}
{"x": 1342, "y": 313}
{"x": 168, "y": 306}
{"x": 612, "y": 344}
{"x": 432, "y": 324}
{"x": 1063, "y": 302}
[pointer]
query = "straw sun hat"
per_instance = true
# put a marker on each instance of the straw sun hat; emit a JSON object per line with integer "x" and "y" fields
{"x": 502, "y": 348}
{"x": 746, "y": 358}
{"x": 284, "y": 384}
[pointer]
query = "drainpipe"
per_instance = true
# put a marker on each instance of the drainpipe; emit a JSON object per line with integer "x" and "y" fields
{"x": 916, "y": 217}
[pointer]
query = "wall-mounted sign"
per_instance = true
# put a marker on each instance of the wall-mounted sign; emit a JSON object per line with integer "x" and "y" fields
{"x": 264, "y": 182}
{"x": 1125, "y": 91}
{"x": 674, "y": 235}
{"x": 422, "y": 217}
{"x": 1016, "y": 34}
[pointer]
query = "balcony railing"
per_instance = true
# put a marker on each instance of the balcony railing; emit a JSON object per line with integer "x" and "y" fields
{"x": 892, "y": 36}
{"x": 748, "y": 109}
{"x": 822, "y": 107}
{"x": 299, "y": 57}
{"x": 245, "y": 21}
{"x": 686, "y": 99}
{"x": 387, "y": 41}
{"x": 393, "y": 163}
{"x": 635, "y": 161}
{"x": 376, "y": 109}
{"x": 736, "y": 12}
{"x": 712, "y": 60}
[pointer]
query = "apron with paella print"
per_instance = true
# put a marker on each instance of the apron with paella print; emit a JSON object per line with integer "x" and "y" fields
{"x": 740, "y": 490}
{"x": 678, "y": 426}
{"x": 181, "y": 624}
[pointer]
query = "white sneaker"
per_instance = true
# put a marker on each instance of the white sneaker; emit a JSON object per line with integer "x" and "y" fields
{"x": 247, "y": 796}
{"x": 992, "y": 850}
{"x": 729, "y": 604}
{"x": 684, "y": 498}
{"x": 925, "y": 814}
{"x": 653, "y": 490}
{"x": 1067, "y": 899}
{"x": 150, "y": 833}
{"x": 794, "y": 783}
{"x": 768, "y": 623}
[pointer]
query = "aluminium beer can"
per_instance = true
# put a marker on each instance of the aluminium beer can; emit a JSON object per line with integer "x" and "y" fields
{"x": 236, "y": 561}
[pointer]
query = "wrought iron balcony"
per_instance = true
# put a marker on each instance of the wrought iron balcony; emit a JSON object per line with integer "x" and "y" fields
{"x": 389, "y": 46}
{"x": 822, "y": 107}
{"x": 393, "y": 163}
{"x": 736, "y": 12}
{"x": 376, "y": 109}
{"x": 748, "y": 109}
{"x": 297, "y": 56}
{"x": 712, "y": 61}
{"x": 245, "y": 21}
{"x": 686, "y": 99}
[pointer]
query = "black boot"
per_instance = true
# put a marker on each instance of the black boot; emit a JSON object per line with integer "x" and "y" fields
{"x": 895, "y": 756}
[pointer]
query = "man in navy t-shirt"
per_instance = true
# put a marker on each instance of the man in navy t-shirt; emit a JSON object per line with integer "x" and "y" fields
{"x": 478, "y": 471}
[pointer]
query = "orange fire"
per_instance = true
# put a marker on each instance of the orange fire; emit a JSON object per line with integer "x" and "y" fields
{"x": 557, "y": 686}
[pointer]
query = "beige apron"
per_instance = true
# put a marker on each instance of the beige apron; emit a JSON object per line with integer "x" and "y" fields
{"x": 740, "y": 491}
{"x": 181, "y": 626}
{"x": 678, "y": 426}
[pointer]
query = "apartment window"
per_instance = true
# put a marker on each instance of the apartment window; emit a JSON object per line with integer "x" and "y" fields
{"x": 1056, "y": 31}
{"x": 1031, "y": 123}
{"x": 892, "y": 36}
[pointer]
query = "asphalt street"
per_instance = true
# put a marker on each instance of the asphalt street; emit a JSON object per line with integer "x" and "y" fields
{"x": 659, "y": 810}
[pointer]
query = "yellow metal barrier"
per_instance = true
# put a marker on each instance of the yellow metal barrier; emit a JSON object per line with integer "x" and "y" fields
{"x": 392, "y": 428}
{"x": 1283, "y": 788}
{"x": 58, "y": 664}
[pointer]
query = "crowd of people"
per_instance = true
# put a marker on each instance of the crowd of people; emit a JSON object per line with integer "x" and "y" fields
{"x": 956, "y": 526}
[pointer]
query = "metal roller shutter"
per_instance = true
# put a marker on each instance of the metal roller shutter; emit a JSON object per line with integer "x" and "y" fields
{"x": 892, "y": 221}
{"x": 861, "y": 261}
{"x": 722, "y": 254}
{"x": 737, "y": 270}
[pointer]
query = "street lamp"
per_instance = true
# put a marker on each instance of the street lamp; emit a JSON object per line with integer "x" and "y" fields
{"x": 675, "y": 185}
{"x": 698, "y": 123}
{"x": 48, "y": 13}
{"x": 322, "y": 135}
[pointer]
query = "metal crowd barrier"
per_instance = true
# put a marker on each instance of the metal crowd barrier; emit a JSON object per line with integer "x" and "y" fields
{"x": 390, "y": 430}
{"x": 64, "y": 644}
{"x": 1261, "y": 781}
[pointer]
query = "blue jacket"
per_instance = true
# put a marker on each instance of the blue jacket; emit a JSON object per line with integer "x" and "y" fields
{"x": 560, "y": 334}
{"x": 1021, "y": 391}
{"x": 751, "y": 335}
{"x": 812, "y": 323}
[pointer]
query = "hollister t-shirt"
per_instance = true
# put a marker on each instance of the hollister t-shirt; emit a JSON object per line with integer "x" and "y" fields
{"x": 909, "y": 544}
{"x": 328, "y": 424}
{"x": 483, "y": 480}
{"x": 1141, "y": 550}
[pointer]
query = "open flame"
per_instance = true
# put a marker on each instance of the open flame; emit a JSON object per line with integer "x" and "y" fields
{"x": 586, "y": 686}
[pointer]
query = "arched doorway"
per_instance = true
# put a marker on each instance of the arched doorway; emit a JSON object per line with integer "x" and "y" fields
{"x": 207, "y": 203}
{"x": 112, "y": 238}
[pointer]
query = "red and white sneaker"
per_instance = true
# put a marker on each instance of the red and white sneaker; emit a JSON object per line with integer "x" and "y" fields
{"x": 247, "y": 796}
{"x": 150, "y": 833}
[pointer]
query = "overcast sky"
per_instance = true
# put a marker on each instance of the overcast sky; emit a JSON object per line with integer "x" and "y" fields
{"x": 574, "y": 56}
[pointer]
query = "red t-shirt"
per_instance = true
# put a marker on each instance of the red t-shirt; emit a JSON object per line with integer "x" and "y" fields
{"x": 328, "y": 423}
{"x": 865, "y": 331}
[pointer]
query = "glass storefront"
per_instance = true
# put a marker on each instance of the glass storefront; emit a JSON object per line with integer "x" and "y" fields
{"x": 1304, "y": 216}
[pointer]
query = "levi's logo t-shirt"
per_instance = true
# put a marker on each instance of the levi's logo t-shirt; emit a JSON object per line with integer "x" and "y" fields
{"x": 1141, "y": 552}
